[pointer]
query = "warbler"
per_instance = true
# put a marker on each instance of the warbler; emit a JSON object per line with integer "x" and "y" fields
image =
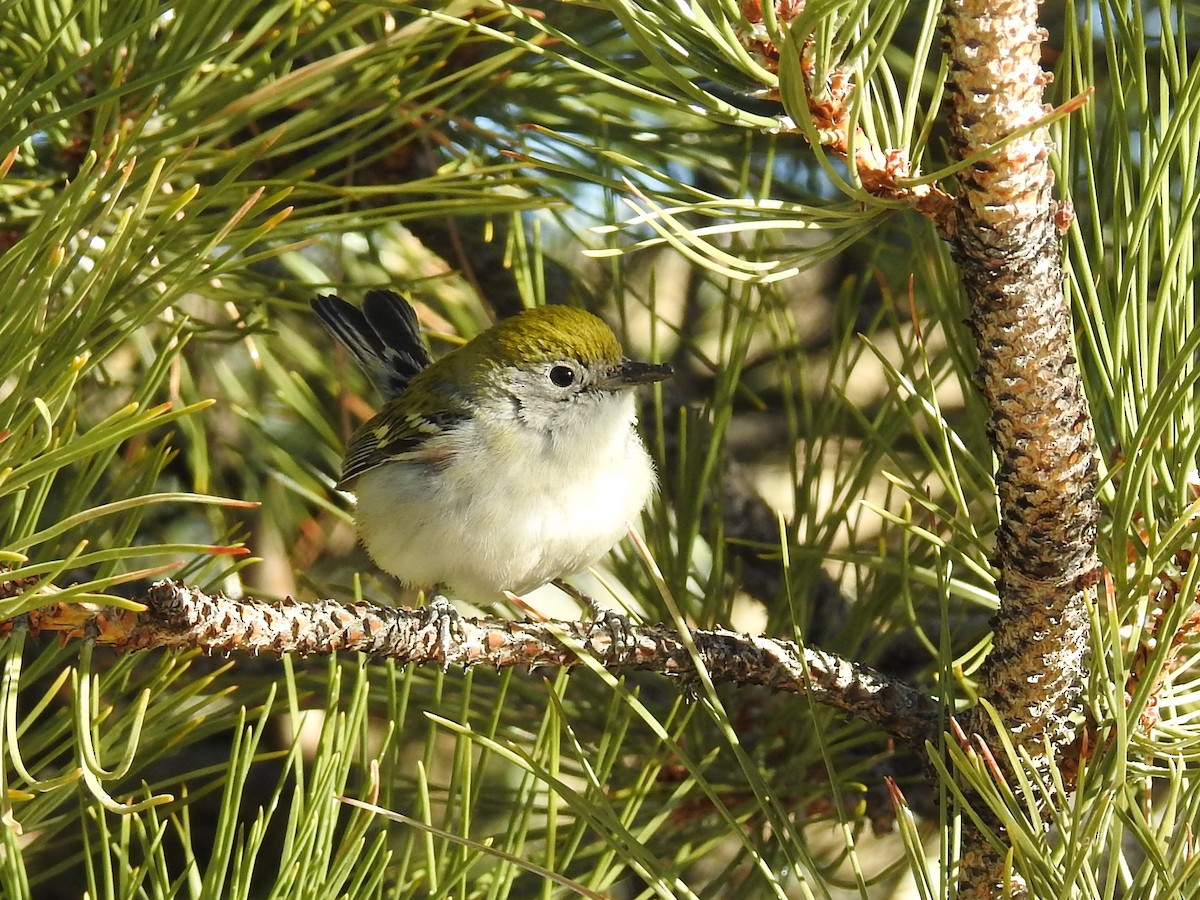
{"x": 509, "y": 462}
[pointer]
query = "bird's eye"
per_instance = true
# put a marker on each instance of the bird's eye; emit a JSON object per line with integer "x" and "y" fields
{"x": 562, "y": 376}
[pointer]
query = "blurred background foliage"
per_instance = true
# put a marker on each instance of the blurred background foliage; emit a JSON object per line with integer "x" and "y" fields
{"x": 179, "y": 179}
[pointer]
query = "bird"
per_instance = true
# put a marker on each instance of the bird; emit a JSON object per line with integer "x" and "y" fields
{"x": 509, "y": 462}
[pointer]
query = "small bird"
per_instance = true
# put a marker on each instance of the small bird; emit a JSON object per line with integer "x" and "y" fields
{"x": 510, "y": 462}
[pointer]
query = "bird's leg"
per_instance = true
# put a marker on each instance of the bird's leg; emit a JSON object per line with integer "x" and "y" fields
{"x": 529, "y": 609}
{"x": 618, "y": 626}
{"x": 446, "y": 622}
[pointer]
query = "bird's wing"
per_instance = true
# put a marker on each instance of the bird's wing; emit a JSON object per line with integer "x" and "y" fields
{"x": 396, "y": 436}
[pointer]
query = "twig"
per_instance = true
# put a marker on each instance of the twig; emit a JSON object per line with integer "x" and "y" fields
{"x": 886, "y": 173}
{"x": 180, "y": 616}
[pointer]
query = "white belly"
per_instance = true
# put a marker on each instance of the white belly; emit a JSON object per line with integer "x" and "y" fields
{"x": 512, "y": 510}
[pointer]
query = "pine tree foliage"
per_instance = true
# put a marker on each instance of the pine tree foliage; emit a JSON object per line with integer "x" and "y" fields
{"x": 179, "y": 179}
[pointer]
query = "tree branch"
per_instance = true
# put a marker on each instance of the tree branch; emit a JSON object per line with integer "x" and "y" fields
{"x": 1004, "y": 227}
{"x": 1008, "y": 244}
{"x": 883, "y": 172}
{"x": 179, "y": 616}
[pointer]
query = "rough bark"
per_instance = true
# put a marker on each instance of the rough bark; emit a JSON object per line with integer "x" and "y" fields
{"x": 1008, "y": 245}
{"x": 180, "y": 616}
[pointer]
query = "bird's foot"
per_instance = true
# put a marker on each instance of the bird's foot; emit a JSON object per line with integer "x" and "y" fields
{"x": 618, "y": 625}
{"x": 445, "y": 623}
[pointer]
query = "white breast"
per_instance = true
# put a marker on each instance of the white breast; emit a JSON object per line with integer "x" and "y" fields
{"x": 514, "y": 508}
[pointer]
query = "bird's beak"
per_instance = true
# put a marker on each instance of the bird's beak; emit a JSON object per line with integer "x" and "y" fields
{"x": 629, "y": 373}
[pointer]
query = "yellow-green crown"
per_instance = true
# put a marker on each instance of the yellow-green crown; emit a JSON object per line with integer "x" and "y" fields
{"x": 547, "y": 333}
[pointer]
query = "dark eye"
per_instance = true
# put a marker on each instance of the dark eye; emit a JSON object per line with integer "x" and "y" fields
{"x": 562, "y": 376}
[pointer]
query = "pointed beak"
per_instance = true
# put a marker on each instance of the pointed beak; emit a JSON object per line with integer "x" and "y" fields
{"x": 629, "y": 374}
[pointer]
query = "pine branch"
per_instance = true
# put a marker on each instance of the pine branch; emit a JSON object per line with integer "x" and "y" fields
{"x": 181, "y": 617}
{"x": 885, "y": 173}
{"x": 1007, "y": 242}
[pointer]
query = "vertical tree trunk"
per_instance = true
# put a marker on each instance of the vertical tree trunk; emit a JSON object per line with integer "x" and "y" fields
{"x": 1007, "y": 243}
